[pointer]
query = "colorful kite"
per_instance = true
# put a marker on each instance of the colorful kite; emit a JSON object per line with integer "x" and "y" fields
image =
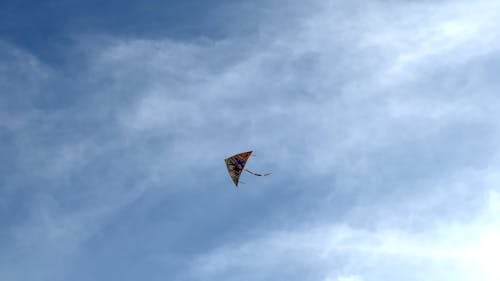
{"x": 236, "y": 165}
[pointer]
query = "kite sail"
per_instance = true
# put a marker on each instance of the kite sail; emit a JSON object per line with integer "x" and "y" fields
{"x": 236, "y": 165}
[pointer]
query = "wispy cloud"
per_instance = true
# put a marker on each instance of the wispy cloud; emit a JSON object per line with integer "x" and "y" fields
{"x": 461, "y": 251}
{"x": 378, "y": 121}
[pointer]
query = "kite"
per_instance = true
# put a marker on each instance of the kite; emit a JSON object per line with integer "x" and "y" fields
{"x": 236, "y": 165}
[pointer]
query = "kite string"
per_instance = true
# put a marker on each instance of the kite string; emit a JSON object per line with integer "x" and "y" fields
{"x": 257, "y": 174}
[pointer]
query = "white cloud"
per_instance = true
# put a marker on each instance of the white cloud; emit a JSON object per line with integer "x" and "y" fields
{"x": 345, "y": 94}
{"x": 467, "y": 251}
{"x": 344, "y": 278}
{"x": 415, "y": 37}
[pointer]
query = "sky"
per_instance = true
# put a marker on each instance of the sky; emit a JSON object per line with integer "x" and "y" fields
{"x": 378, "y": 120}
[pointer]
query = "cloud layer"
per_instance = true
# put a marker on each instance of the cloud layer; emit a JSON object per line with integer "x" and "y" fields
{"x": 378, "y": 121}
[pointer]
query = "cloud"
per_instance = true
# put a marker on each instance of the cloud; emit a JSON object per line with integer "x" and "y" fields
{"x": 406, "y": 39}
{"x": 462, "y": 251}
{"x": 378, "y": 121}
{"x": 53, "y": 199}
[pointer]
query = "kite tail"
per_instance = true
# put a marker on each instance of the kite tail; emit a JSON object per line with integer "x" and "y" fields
{"x": 257, "y": 174}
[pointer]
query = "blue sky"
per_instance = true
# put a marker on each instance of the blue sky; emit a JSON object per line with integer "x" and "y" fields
{"x": 378, "y": 120}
